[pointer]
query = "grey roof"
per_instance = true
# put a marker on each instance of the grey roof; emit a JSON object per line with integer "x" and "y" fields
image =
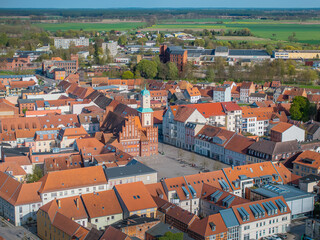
{"x": 310, "y": 178}
{"x": 312, "y": 127}
{"x": 222, "y": 49}
{"x": 289, "y": 193}
{"x": 261, "y": 95}
{"x": 229, "y": 218}
{"x": 161, "y": 228}
{"x": 94, "y": 234}
{"x": 275, "y": 148}
{"x": 29, "y": 100}
{"x": 133, "y": 168}
{"x": 11, "y": 152}
{"x": 133, "y": 221}
{"x": 247, "y": 52}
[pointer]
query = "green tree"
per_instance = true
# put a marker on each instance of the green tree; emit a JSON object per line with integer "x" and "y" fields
{"x": 300, "y": 109}
{"x": 122, "y": 40}
{"x": 127, "y": 75}
{"x": 291, "y": 70}
{"x": 199, "y": 42}
{"x": 269, "y": 49}
{"x": 147, "y": 68}
{"x": 3, "y": 39}
{"x": 171, "y": 236}
{"x": 35, "y": 176}
{"x": 172, "y": 71}
{"x": 210, "y": 74}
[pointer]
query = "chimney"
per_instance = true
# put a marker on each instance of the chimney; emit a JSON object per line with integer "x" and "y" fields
{"x": 77, "y": 203}
{"x": 59, "y": 203}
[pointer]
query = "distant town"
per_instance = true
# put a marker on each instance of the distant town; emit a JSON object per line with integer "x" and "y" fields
{"x": 158, "y": 134}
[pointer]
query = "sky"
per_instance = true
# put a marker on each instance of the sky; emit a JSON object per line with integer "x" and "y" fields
{"x": 160, "y": 4}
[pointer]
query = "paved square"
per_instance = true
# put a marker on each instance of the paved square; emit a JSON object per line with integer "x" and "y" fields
{"x": 177, "y": 162}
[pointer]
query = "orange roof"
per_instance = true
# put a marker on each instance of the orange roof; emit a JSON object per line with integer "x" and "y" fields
{"x": 103, "y": 203}
{"x": 72, "y": 178}
{"x": 157, "y": 190}
{"x": 89, "y": 143}
{"x": 73, "y": 132}
{"x": 21, "y": 160}
{"x": 193, "y": 91}
{"x": 71, "y": 207}
{"x": 42, "y": 112}
{"x": 262, "y": 113}
{"x": 158, "y": 93}
{"x": 57, "y": 59}
{"x": 203, "y": 226}
{"x": 158, "y": 116}
{"x": 25, "y": 133}
{"x": 309, "y": 159}
{"x": 208, "y": 109}
{"x": 257, "y": 170}
{"x": 281, "y": 127}
{"x": 112, "y": 233}
{"x": 13, "y": 168}
{"x": 135, "y": 196}
{"x": 17, "y": 193}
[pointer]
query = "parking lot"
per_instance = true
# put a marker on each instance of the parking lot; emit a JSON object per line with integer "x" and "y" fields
{"x": 177, "y": 162}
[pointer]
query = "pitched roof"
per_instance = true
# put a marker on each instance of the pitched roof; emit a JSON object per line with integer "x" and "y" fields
{"x": 193, "y": 92}
{"x": 308, "y": 158}
{"x": 239, "y": 144}
{"x": 135, "y": 196}
{"x": 112, "y": 233}
{"x": 246, "y": 207}
{"x": 258, "y": 170}
{"x": 183, "y": 113}
{"x": 103, "y": 203}
{"x": 70, "y": 207}
{"x": 204, "y": 228}
{"x": 275, "y": 148}
{"x": 72, "y": 178}
{"x": 281, "y": 127}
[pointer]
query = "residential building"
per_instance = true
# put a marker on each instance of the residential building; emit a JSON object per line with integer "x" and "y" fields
{"x": 257, "y": 97}
{"x": 112, "y": 46}
{"x": 134, "y": 171}
{"x": 246, "y": 89}
{"x": 301, "y": 203}
{"x": 73, "y": 182}
{"x": 103, "y": 208}
{"x": 312, "y": 228}
{"x": 222, "y": 94}
{"x": 262, "y": 218}
{"x": 135, "y": 199}
{"x": 65, "y": 43}
{"x": 90, "y": 121}
{"x": 174, "y": 122}
{"x": 67, "y": 136}
{"x": 308, "y": 162}
{"x": 192, "y": 94}
{"x": 283, "y": 132}
{"x": 19, "y": 202}
{"x": 265, "y": 150}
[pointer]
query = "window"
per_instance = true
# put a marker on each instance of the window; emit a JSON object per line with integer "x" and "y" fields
{"x": 96, "y": 220}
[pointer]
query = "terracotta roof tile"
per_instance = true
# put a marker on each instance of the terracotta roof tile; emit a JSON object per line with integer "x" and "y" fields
{"x": 309, "y": 159}
{"x": 135, "y": 196}
{"x": 103, "y": 203}
{"x": 72, "y": 178}
{"x": 281, "y": 127}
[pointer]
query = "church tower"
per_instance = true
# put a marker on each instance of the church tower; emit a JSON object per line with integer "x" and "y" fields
{"x": 145, "y": 112}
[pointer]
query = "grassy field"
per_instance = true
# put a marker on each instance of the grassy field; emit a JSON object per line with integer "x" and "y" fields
{"x": 306, "y": 32}
{"x": 89, "y": 26}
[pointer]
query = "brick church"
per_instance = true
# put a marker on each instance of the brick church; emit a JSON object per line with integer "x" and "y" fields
{"x": 131, "y": 130}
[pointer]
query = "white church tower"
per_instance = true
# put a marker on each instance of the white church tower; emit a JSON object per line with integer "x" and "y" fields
{"x": 145, "y": 112}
